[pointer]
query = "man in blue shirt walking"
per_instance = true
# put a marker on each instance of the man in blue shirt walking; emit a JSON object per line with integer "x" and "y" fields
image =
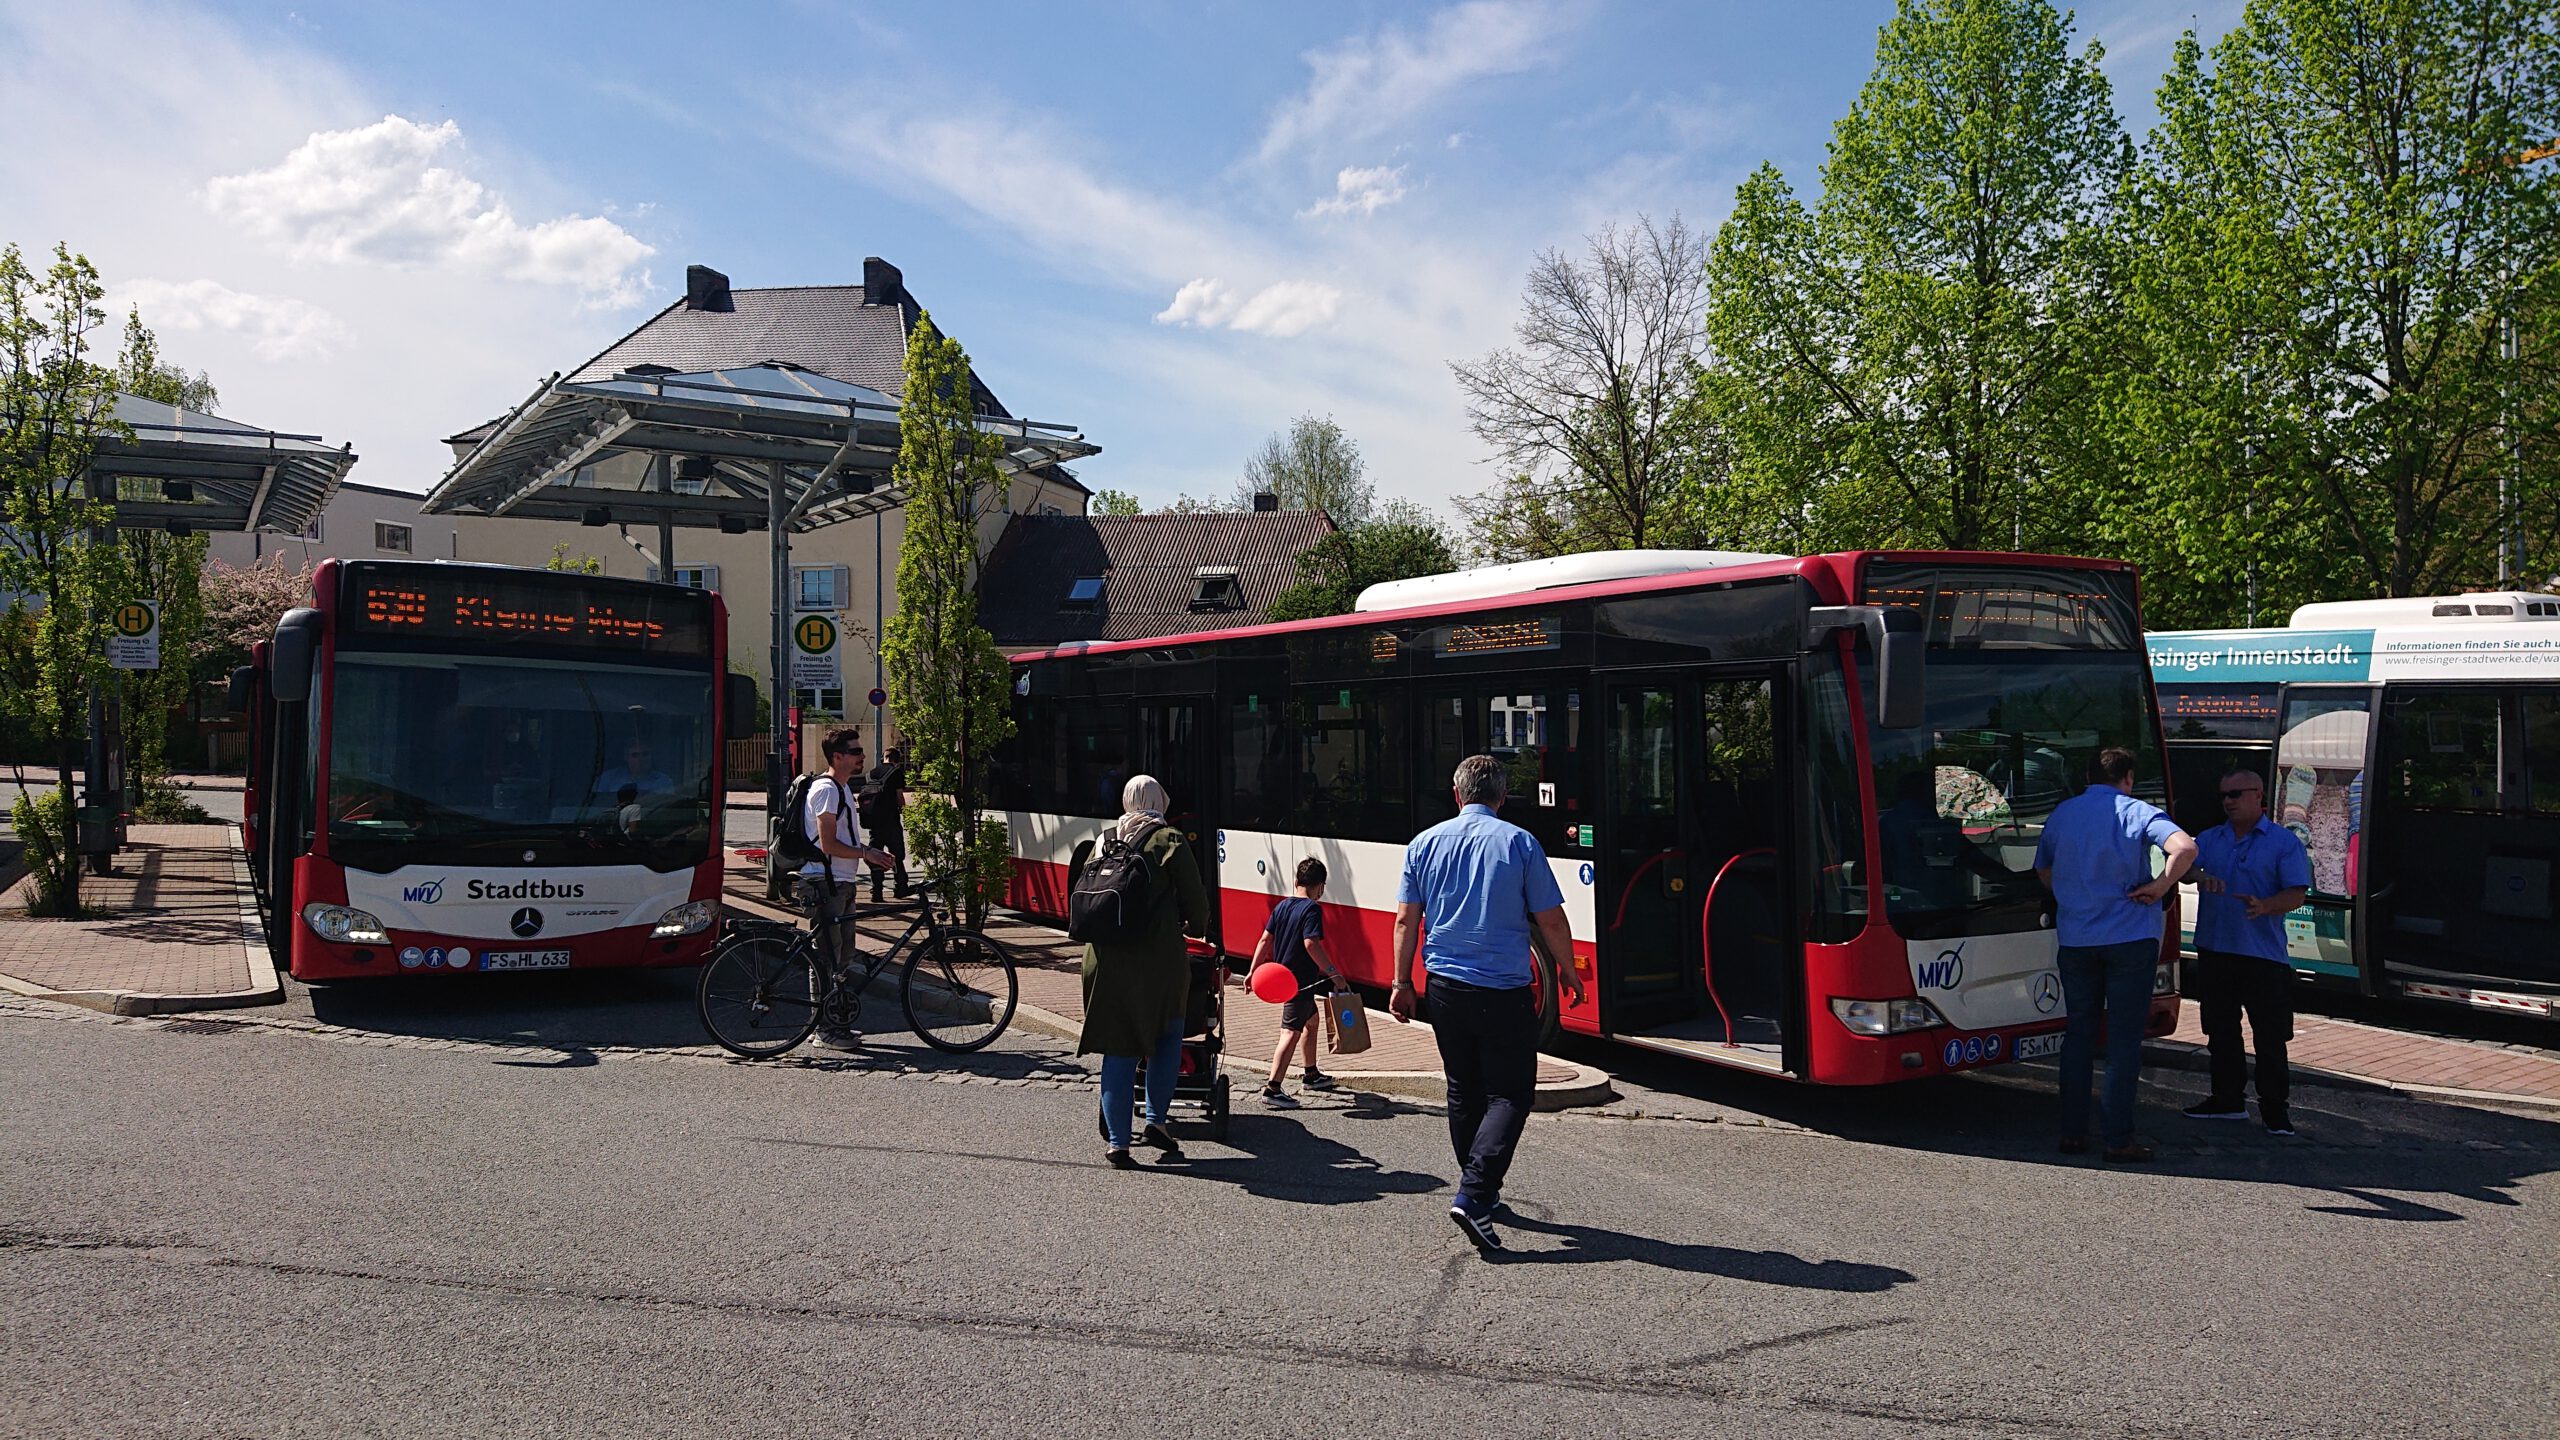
{"x": 2095, "y": 857}
{"x": 2250, "y": 874}
{"x": 1473, "y": 889}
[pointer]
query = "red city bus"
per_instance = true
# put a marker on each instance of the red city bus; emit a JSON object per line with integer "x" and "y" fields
{"x": 478, "y": 767}
{"x": 1793, "y": 803}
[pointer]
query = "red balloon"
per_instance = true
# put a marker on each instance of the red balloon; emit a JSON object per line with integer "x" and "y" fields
{"x": 1273, "y": 982}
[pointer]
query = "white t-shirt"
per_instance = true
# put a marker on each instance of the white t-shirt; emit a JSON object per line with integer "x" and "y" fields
{"x": 826, "y": 798}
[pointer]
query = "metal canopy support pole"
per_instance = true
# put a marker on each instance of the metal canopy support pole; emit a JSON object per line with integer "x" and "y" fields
{"x": 776, "y": 781}
{"x": 666, "y": 523}
{"x": 879, "y": 628}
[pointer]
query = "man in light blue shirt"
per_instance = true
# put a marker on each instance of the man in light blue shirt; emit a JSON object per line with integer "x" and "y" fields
{"x": 2095, "y": 857}
{"x": 1475, "y": 889}
{"x": 2250, "y": 874}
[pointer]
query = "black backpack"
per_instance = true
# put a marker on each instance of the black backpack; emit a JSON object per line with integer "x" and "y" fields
{"x": 789, "y": 844}
{"x": 1109, "y": 901}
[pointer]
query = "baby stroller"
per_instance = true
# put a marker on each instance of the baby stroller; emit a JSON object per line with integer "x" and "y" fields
{"x": 1203, "y": 1081}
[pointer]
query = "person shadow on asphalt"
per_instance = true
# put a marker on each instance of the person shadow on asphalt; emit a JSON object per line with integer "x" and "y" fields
{"x": 1591, "y": 1245}
{"x": 1284, "y": 1160}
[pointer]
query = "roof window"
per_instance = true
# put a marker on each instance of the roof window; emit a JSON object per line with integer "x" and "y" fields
{"x": 1084, "y": 594}
{"x": 1216, "y": 587}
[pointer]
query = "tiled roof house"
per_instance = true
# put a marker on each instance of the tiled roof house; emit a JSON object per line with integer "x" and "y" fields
{"x": 1056, "y": 578}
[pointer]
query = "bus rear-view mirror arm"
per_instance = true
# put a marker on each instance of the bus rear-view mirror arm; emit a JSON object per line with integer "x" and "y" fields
{"x": 1894, "y": 638}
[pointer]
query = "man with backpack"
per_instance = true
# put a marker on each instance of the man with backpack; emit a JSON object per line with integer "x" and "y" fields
{"x": 884, "y": 813}
{"x": 820, "y": 831}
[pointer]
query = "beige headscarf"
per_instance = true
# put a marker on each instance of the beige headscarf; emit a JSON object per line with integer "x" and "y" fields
{"x": 1142, "y": 803}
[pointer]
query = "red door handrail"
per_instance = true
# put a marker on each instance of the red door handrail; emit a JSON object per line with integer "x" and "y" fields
{"x": 1706, "y": 939}
{"x": 1629, "y": 893}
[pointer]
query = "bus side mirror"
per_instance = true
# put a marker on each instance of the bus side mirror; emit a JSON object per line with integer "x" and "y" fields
{"x": 1898, "y": 640}
{"x": 1895, "y": 639}
{"x": 244, "y": 681}
{"x": 741, "y": 708}
{"x": 289, "y": 665}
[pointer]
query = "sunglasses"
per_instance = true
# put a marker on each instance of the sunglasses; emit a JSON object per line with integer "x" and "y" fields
{"x": 2236, "y": 794}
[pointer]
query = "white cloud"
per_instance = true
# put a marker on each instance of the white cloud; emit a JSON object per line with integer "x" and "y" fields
{"x": 1360, "y": 190}
{"x": 1289, "y": 307}
{"x": 277, "y": 327}
{"x": 375, "y": 195}
{"x": 1364, "y": 87}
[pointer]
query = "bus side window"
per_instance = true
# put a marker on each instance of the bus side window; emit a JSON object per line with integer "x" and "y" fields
{"x": 1352, "y": 774}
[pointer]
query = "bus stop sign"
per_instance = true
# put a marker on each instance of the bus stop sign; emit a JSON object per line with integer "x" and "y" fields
{"x": 817, "y": 650}
{"x": 133, "y": 636}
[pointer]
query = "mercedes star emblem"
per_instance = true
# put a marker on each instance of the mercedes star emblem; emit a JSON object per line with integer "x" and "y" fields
{"x": 526, "y": 922}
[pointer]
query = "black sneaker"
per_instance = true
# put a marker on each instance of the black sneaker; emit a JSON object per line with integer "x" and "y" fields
{"x": 1156, "y": 1137}
{"x": 837, "y": 1037}
{"x": 1318, "y": 1080}
{"x": 1478, "y": 1231}
{"x": 1275, "y": 1098}
{"x": 2215, "y": 1108}
{"x": 2277, "y": 1121}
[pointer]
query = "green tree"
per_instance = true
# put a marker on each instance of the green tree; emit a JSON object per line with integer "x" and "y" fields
{"x": 1311, "y": 466}
{"x": 947, "y": 681}
{"x": 1590, "y": 412}
{"x": 1115, "y": 503}
{"x": 579, "y": 564}
{"x": 56, "y": 401}
{"x": 1908, "y": 360}
{"x": 2328, "y": 248}
{"x": 1404, "y": 541}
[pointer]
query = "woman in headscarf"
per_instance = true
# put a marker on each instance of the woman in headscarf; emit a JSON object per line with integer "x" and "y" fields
{"x": 1134, "y": 988}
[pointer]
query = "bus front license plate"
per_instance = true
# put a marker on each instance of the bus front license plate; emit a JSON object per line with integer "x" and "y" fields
{"x": 2036, "y": 1047}
{"x": 525, "y": 960}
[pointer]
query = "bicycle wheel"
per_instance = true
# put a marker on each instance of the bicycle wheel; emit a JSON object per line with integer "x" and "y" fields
{"x": 959, "y": 991}
{"x": 759, "y": 996}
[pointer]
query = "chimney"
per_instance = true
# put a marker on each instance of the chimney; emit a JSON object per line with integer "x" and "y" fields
{"x": 881, "y": 282}
{"x": 705, "y": 288}
{"x": 1264, "y": 502}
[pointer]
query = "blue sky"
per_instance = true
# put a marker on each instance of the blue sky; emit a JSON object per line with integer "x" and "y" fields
{"x": 1176, "y": 226}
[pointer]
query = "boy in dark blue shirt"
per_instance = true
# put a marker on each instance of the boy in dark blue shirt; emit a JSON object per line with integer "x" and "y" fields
{"x": 1295, "y": 938}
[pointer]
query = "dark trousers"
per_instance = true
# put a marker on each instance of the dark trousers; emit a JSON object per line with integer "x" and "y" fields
{"x": 892, "y": 838}
{"x": 2226, "y": 985}
{"x": 1489, "y": 1047}
{"x": 2109, "y": 987}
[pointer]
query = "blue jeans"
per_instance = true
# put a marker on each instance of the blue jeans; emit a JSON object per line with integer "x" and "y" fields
{"x": 1120, "y": 1086}
{"x": 2113, "y": 980}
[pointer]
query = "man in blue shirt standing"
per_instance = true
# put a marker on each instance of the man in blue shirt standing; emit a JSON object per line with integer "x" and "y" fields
{"x": 1473, "y": 889}
{"x": 2096, "y": 859}
{"x": 2249, "y": 875}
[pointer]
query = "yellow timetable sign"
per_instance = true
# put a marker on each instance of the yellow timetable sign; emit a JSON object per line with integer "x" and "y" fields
{"x": 817, "y": 647}
{"x": 133, "y": 642}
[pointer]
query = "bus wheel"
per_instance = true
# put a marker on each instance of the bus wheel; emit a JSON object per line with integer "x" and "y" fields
{"x": 1550, "y": 1020}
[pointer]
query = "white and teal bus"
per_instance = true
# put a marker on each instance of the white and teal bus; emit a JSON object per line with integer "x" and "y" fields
{"x": 2414, "y": 745}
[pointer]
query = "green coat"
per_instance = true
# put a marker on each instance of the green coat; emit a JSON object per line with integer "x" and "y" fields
{"x": 1134, "y": 989}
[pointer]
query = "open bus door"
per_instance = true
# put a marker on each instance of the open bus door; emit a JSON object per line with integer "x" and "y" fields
{"x": 1697, "y": 933}
{"x": 283, "y": 767}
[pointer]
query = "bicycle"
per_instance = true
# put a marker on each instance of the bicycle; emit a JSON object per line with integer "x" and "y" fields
{"x": 769, "y": 983}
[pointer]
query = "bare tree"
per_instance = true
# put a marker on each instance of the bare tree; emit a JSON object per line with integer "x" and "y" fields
{"x": 1314, "y": 466}
{"x": 1592, "y": 408}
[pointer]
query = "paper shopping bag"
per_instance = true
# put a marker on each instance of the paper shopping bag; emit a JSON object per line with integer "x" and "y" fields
{"x": 1346, "y": 1024}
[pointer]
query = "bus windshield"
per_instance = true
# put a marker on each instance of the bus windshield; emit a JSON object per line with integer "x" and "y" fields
{"x": 1962, "y": 797}
{"x": 443, "y": 759}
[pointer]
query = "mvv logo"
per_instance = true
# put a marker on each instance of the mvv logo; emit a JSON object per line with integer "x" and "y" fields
{"x": 426, "y": 894}
{"x": 1944, "y": 973}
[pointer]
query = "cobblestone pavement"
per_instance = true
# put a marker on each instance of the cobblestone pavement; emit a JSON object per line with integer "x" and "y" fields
{"x": 171, "y": 922}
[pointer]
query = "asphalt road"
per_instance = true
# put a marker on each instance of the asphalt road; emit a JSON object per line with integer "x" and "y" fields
{"x": 539, "y": 1209}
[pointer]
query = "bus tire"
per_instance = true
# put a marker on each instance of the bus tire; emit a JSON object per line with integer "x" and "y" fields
{"x": 1550, "y": 1017}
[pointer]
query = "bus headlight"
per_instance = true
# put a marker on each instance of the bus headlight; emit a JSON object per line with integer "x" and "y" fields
{"x": 691, "y": 918}
{"x": 343, "y": 925}
{"x": 1886, "y": 1017}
